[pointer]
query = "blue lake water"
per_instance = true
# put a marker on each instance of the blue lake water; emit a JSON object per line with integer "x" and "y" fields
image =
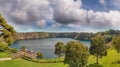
{"x": 46, "y": 45}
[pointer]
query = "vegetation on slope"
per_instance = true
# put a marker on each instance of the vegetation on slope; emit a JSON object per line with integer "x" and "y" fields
{"x": 7, "y": 31}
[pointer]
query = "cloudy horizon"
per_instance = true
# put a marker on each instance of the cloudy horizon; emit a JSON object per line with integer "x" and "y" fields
{"x": 61, "y": 15}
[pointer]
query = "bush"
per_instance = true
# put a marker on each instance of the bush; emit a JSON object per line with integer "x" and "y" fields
{"x": 40, "y": 55}
{"x": 13, "y": 50}
{"x": 42, "y": 60}
{"x": 116, "y": 62}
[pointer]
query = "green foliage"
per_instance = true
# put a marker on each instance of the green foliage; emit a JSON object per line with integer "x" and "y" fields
{"x": 3, "y": 46}
{"x": 59, "y": 49}
{"x": 13, "y": 50}
{"x": 8, "y": 31}
{"x": 116, "y": 43}
{"x": 98, "y": 47}
{"x": 76, "y": 54}
{"x": 40, "y": 55}
{"x": 52, "y": 60}
{"x": 23, "y": 48}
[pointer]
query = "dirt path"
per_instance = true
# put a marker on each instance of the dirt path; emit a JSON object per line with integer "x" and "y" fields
{"x": 3, "y": 59}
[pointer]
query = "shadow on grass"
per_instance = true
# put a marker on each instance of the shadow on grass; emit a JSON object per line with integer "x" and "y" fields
{"x": 95, "y": 65}
{"x": 116, "y": 62}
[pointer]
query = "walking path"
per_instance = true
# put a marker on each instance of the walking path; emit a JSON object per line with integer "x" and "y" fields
{"x": 3, "y": 59}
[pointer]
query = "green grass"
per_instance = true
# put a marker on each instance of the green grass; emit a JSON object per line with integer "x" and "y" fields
{"x": 4, "y": 54}
{"x": 107, "y": 61}
{"x": 25, "y": 63}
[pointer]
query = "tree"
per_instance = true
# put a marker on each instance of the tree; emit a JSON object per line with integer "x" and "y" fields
{"x": 59, "y": 49}
{"x": 40, "y": 55}
{"x": 116, "y": 43}
{"x": 98, "y": 47}
{"x": 23, "y": 48}
{"x": 6, "y": 31}
{"x": 76, "y": 54}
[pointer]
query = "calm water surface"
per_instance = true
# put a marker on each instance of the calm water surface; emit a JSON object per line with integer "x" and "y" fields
{"x": 46, "y": 46}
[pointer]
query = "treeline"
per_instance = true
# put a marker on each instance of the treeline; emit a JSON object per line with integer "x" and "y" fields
{"x": 108, "y": 35}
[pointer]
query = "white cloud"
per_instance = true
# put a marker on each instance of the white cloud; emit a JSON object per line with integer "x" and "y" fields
{"x": 62, "y": 12}
{"x": 66, "y": 12}
{"x": 26, "y": 11}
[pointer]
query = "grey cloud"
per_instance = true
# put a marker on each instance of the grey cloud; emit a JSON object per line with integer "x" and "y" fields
{"x": 65, "y": 11}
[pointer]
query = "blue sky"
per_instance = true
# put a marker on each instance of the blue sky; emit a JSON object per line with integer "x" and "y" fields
{"x": 61, "y": 15}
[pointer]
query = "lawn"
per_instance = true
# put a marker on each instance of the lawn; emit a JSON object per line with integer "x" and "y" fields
{"x": 4, "y": 54}
{"x": 25, "y": 63}
{"x": 105, "y": 62}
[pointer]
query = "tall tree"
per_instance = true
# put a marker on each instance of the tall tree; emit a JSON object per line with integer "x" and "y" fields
{"x": 116, "y": 43}
{"x": 59, "y": 49}
{"x": 98, "y": 47}
{"x": 6, "y": 31}
{"x": 76, "y": 54}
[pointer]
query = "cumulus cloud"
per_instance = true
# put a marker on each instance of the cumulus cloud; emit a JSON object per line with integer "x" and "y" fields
{"x": 26, "y": 11}
{"x": 59, "y": 12}
{"x": 65, "y": 11}
{"x": 70, "y": 13}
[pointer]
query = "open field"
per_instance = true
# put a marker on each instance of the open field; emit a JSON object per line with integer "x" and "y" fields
{"x": 105, "y": 62}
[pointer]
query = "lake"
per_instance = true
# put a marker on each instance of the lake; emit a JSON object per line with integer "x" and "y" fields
{"x": 46, "y": 45}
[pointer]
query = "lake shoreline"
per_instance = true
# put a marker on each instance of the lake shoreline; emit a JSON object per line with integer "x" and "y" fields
{"x": 44, "y": 45}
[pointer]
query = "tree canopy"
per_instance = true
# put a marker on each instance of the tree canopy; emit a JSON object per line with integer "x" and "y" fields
{"x": 7, "y": 31}
{"x": 76, "y": 54}
{"x": 59, "y": 49}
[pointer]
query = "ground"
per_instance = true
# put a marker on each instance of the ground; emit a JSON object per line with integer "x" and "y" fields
{"x": 105, "y": 62}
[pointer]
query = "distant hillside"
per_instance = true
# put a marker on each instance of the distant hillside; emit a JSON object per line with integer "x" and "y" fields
{"x": 37, "y": 35}
{"x": 79, "y": 36}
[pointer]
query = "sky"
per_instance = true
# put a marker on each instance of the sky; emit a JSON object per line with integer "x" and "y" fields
{"x": 61, "y": 15}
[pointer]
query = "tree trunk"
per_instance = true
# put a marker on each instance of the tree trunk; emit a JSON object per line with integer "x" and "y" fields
{"x": 97, "y": 59}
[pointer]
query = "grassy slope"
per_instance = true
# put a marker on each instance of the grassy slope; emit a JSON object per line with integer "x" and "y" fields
{"x": 105, "y": 62}
{"x": 4, "y": 54}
